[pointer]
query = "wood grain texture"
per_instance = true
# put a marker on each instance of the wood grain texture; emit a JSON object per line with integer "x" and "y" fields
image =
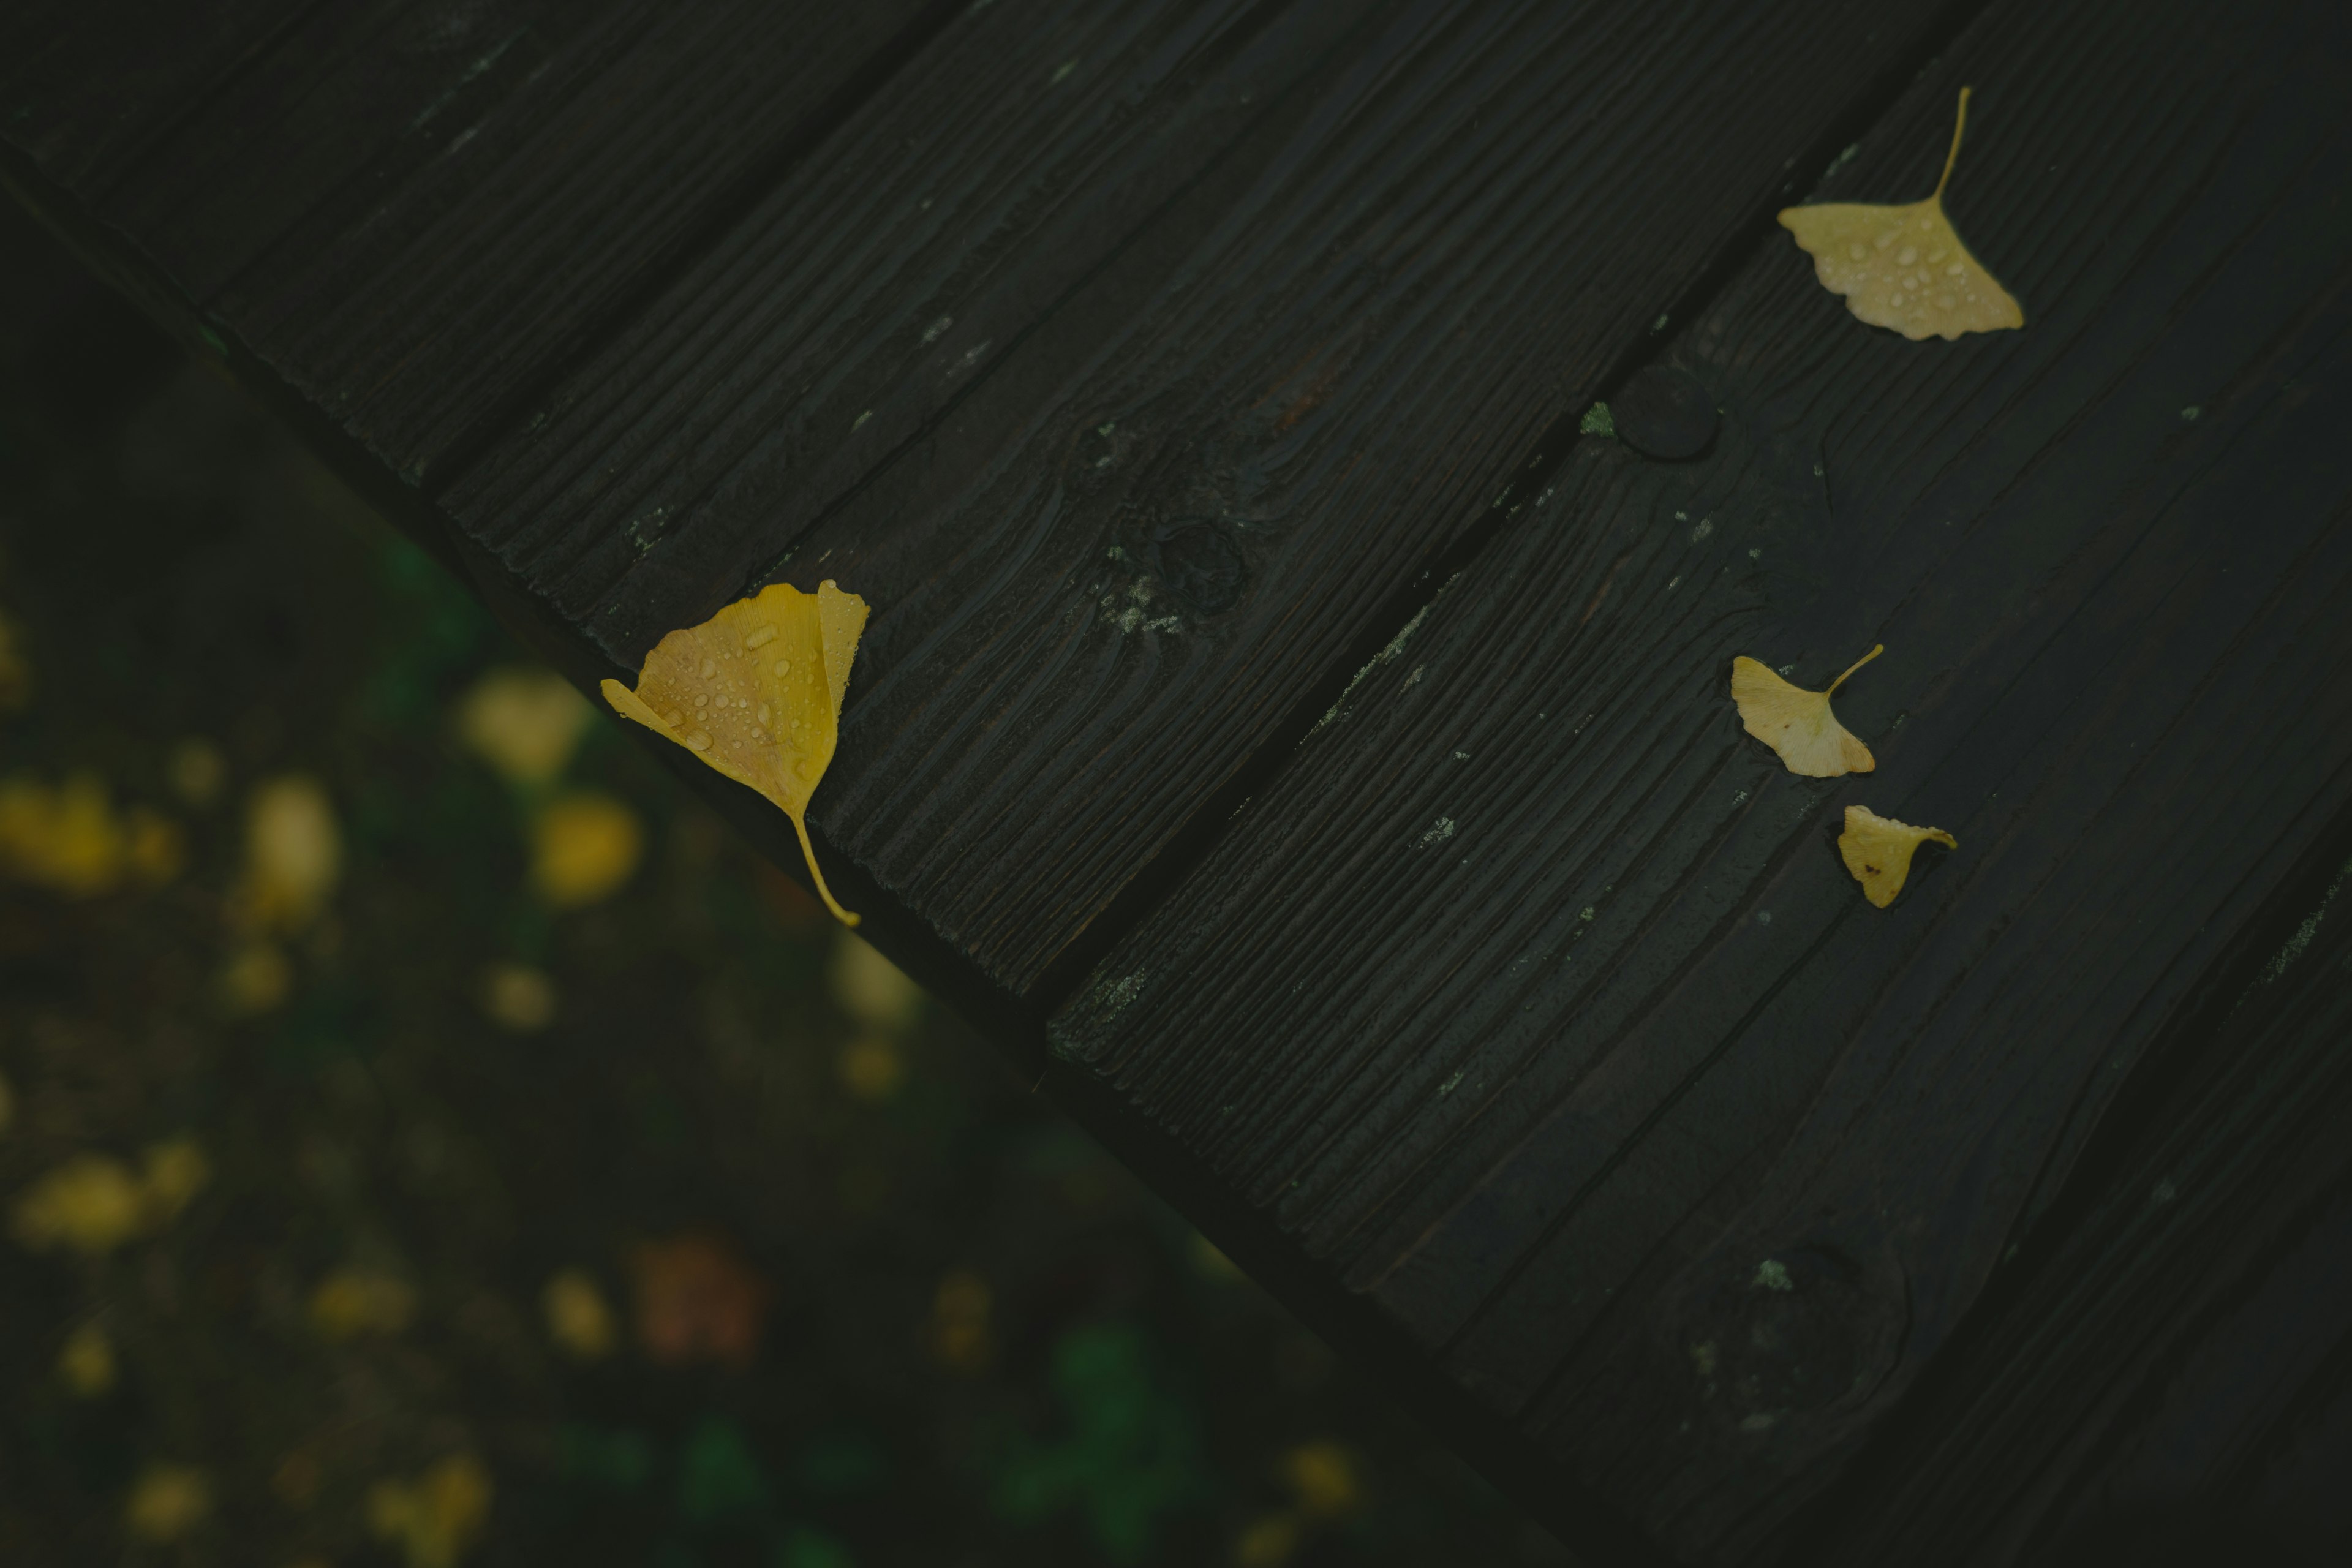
{"x": 1108, "y": 574}
{"x": 1533, "y": 998}
{"x": 87, "y": 87}
{"x": 2180, "y": 1353}
{"x": 354, "y": 100}
{"x": 418, "y": 297}
{"x": 867, "y": 292}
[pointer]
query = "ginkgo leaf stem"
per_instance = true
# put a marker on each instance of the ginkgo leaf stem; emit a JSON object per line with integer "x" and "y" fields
{"x": 1959, "y": 125}
{"x": 1857, "y": 664}
{"x": 808, "y": 849}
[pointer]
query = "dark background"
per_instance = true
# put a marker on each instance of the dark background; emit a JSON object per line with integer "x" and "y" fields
{"x": 286, "y": 1187}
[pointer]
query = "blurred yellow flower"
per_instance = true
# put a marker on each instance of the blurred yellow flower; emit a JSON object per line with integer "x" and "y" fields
{"x": 871, "y": 1068}
{"x": 583, "y": 846}
{"x": 1268, "y": 1541}
{"x": 71, "y": 840}
{"x": 176, "y": 1171}
{"x": 525, "y": 723}
{"x": 579, "y": 1319}
{"x": 1323, "y": 1478}
{"x": 197, "y": 771}
{"x": 92, "y": 1203}
{"x": 434, "y": 1520}
{"x": 349, "y": 1302}
{"x": 959, "y": 1329}
{"x": 167, "y": 1503}
{"x": 870, "y": 988}
{"x": 293, "y": 854}
{"x": 86, "y": 1362}
{"x": 517, "y": 997}
{"x": 257, "y": 978}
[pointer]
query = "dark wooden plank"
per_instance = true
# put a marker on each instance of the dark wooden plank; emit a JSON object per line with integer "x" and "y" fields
{"x": 370, "y": 92}
{"x": 2178, "y": 1351}
{"x": 1108, "y": 574}
{"x": 867, "y": 292}
{"x": 1533, "y": 998}
{"x": 86, "y": 87}
{"x": 417, "y": 287}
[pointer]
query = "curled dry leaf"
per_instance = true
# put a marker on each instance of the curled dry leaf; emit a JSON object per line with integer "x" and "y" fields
{"x": 1904, "y": 267}
{"x": 1798, "y": 723}
{"x": 756, "y": 692}
{"x": 1877, "y": 850}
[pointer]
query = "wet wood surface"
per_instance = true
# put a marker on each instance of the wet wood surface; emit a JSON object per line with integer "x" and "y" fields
{"x": 1291, "y": 723}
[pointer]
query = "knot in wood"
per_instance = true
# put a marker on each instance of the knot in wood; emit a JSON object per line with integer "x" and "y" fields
{"x": 1199, "y": 562}
{"x": 1802, "y": 1331}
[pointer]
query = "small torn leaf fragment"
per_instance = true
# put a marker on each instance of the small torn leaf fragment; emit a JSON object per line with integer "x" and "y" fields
{"x": 756, "y": 692}
{"x": 1877, "y": 850}
{"x": 1904, "y": 267}
{"x": 1798, "y": 723}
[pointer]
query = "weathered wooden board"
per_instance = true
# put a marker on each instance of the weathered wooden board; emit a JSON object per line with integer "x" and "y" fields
{"x": 868, "y": 292}
{"x": 1532, "y": 996}
{"x": 483, "y": 214}
{"x": 368, "y": 93}
{"x": 90, "y": 86}
{"x": 2176, "y": 1353}
{"x": 1111, "y": 572}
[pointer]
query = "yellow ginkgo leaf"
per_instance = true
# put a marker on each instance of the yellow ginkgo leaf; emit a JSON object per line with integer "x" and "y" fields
{"x": 1904, "y": 266}
{"x": 756, "y": 692}
{"x": 1798, "y": 723}
{"x": 1877, "y": 850}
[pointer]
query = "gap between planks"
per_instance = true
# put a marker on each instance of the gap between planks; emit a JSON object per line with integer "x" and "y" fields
{"x": 1192, "y": 843}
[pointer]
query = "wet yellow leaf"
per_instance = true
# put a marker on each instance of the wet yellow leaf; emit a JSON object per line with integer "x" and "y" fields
{"x": 167, "y": 1503}
{"x": 579, "y": 1319}
{"x": 86, "y": 1362}
{"x": 756, "y": 692}
{"x": 1904, "y": 267}
{"x": 1798, "y": 723}
{"x": 1877, "y": 850}
{"x": 293, "y": 854}
{"x": 437, "y": 1518}
{"x": 351, "y": 1302}
{"x": 584, "y": 846}
{"x": 525, "y": 723}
